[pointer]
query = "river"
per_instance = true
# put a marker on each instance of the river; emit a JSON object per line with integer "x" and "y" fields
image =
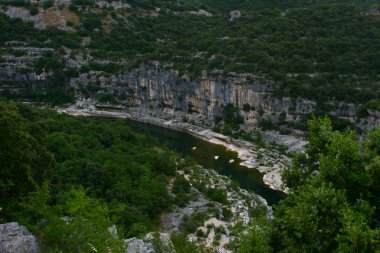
{"x": 249, "y": 179}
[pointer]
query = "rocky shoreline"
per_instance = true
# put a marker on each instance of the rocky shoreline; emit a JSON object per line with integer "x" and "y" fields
{"x": 266, "y": 161}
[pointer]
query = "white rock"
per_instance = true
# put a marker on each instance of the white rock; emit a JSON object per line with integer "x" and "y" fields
{"x": 234, "y": 15}
{"x": 16, "y": 238}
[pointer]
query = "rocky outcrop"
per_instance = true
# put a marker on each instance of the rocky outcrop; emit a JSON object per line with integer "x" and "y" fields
{"x": 201, "y": 13}
{"x": 149, "y": 242}
{"x": 199, "y": 99}
{"x": 160, "y": 88}
{"x": 50, "y": 17}
{"x": 15, "y": 238}
{"x": 234, "y": 15}
{"x": 114, "y": 4}
{"x": 367, "y": 123}
{"x": 294, "y": 142}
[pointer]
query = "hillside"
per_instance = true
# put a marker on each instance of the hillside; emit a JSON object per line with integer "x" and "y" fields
{"x": 325, "y": 54}
{"x": 83, "y": 184}
{"x": 264, "y": 78}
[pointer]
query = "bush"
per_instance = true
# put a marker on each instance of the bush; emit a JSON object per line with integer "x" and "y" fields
{"x": 181, "y": 244}
{"x": 231, "y": 115}
{"x": 21, "y": 3}
{"x": 181, "y": 185}
{"x": 181, "y": 199}
{"x": 267, "y": 125}
{"x": 246, "y": 107}
{"x": 362, "y": 112}
{"x": 190, "y": 224}
{"x": 282, "y": 118}
{"x": 107, "y": 99}
{"x": 69, "y": 23}
{"x": 83, "y": 2}
{"x": 72, "y": 7}
{"x": 33, "y": 10}
{"x": 227, "y": 214}
{"x": 47, "y": 4}
{"x": 200, "y": 233}
{"x": 218, "y": 195}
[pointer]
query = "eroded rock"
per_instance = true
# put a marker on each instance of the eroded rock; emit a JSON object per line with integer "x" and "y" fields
{"x": 15, "y": 238}
{"x": 234, "y": 15}
{"x": 148, "y": 243}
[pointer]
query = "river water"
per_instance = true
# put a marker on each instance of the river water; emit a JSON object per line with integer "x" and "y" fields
{"x": 204, "y": 155}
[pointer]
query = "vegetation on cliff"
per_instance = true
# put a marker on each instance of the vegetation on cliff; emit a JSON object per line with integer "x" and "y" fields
{"x": 69, "y": 179}
{"x": 318, "y": 50}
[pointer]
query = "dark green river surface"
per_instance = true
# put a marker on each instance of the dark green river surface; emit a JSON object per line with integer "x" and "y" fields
{"x": 182, "y": 142}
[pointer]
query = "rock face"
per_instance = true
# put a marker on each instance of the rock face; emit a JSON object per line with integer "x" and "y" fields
{"x": 234, "y": 15}
{"x": 201, "y": 13}
{"x": 15, "y": 238}
{"x": 44, "y": 18}
{"x": 160, "y": 89}
{"x": 198, "y": 99}
{"x": 373, "y": 119}
{"x": 147, "y": 245}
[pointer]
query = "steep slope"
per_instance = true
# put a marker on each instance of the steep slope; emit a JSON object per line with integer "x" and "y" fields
{"x": 323, "y": 54}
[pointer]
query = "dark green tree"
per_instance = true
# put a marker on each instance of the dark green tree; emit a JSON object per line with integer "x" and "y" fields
{"x": 24, "y": 162}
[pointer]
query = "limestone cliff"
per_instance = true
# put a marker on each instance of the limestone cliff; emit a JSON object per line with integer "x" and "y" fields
{"x": 161, "y": 89}
{"x": 202, "y": 98}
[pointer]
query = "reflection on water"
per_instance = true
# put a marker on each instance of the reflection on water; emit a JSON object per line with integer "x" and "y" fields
{"x": 204, "y": 155}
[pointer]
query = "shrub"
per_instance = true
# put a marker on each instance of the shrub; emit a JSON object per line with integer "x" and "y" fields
{"x": 181, "y": 185}
{"x": 218, "y": 195}
{"x": 181, "y": 199}
{"x": 47, "y": 4}
{"x": 200, "y": 233}
{"x": 267, "y": 125}
{"x": 33, "y": 10}
{"x": 246, "y": 107}
{"x": 227, "y": 214}
{"x": 69, "y": 23}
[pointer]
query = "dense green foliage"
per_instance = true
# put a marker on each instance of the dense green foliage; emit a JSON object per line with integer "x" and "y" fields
{"x": 24, "y": 160}
{"x": 95, "y": 172}
{"x": 17, "y": 30}
{"x": 323, "y": 53}
{"x": 224, "y": 6}
{"x": 334, "y": 199}
{"x": 323, "y": 50}
{"x": 54, "y": 90}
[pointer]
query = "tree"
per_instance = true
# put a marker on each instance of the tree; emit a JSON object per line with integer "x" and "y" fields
{"x": 319, "y": 136}
{"x": 343, "y": 165}
{"x": 24, "y": 162}
{"x": 79, "y": 223}
{"x": 356, "y": 235}
{"x": 335, "y": 194}
{"x": 309, "y": 219}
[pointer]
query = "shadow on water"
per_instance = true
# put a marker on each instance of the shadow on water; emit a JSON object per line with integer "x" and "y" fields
{"x": 204, "y": 154}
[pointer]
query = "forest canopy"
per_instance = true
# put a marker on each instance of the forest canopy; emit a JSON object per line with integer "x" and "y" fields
{"x": 334, "y": 197}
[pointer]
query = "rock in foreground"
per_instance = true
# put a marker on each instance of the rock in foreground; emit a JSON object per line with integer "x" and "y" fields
{"x": 15, "y": 238}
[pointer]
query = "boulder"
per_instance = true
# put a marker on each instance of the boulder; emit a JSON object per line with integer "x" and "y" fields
{"x": 146, "y": 245}
{"x": 15, "y": 238}
{"x": 234, "y": 15}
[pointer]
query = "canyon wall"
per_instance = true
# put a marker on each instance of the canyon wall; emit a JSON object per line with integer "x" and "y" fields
{"x": 157, "y": 89}
{"x": 203, "y": 98}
